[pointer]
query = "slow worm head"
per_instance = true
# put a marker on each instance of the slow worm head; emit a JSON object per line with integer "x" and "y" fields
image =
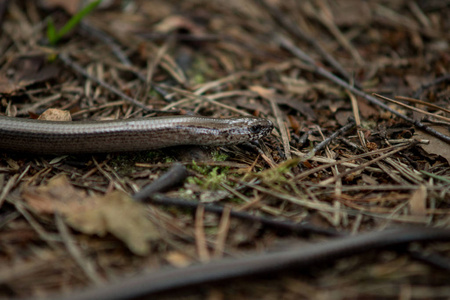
{"x": 52, "y": 137}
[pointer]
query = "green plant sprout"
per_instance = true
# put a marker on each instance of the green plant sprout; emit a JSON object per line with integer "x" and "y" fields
{"x": 54, "y": 36}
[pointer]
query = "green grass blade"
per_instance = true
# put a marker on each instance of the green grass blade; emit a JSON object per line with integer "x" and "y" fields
{"x": 77, "y": 18}
{"x": 445, "y": 179}
{"x": 52, "y": 36}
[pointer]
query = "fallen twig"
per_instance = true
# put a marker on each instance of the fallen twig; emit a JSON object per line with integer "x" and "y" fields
{"x": 329, "y": 139}
{"x": 174, "y": 176}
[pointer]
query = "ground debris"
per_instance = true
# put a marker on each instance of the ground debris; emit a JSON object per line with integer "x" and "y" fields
{"x": 337, "y": 163}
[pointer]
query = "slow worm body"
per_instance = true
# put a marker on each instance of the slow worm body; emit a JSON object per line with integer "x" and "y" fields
{"x": 54, "y": 137}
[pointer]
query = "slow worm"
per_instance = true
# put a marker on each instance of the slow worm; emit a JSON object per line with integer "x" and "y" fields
{"x": 56, "y": 137}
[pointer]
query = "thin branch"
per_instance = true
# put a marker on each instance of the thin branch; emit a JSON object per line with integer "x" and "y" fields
{"x": 329, "y": 139}
{"x": 174, "y": 176}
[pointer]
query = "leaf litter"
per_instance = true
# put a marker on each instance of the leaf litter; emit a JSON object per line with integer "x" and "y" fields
{"x": 115, "y": 213}
{"x": 229, "y": 59}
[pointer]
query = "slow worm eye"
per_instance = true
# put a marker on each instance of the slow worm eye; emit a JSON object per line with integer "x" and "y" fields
{"x": 255, "y": 129}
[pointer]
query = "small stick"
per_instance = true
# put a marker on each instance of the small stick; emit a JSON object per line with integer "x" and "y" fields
{"x": 328, "y": 140}
{"x": 173, "y": 177}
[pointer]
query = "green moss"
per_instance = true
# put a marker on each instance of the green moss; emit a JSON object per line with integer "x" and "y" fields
{"x": 211, "y": 181}
{"x": 213, "y": 176}
{"x": 187, "y": 193}
{"x": 200, "y": 71}
{"x": 219, "y": 156}
{"x": 277, "y": 175}
{"x": 199, "y": 78}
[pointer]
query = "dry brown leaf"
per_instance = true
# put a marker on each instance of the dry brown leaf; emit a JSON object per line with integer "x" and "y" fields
{"x": 342, "y": 116}
{"x": 366, "y": 109}
{"x": 27, "y": 71}
{"x": 114, "y": 213}
{"x": 57, "y": 196}
{"x": 302, "y": 86}
{"x": 172, "y": 23}
{"x": 178, "y": 259}
{"x": 53, "y": 114}
{"x": 436, "y": 146}
{"x": 118, "y": 214}
{"x": 418, "y": 202}
{"x": 8, "y": 86}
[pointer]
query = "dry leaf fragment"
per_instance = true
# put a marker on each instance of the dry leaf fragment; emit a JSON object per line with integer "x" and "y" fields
{"x": 118, "y": 214}
{"x": 8, "y": 86}
{"x": 173, "y": 23}
{"x": 54, "y": 114}
{"x": 178, "y": 259}
{"x": 58, "y": 195}
{"x": 436, "y": 146}
{"x": 114, "y": 213}
{"x": 27, "y": 71}
{"x": 418, "y": 202}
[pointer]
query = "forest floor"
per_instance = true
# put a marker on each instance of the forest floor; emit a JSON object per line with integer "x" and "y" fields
{"x": 359, "y": 95}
